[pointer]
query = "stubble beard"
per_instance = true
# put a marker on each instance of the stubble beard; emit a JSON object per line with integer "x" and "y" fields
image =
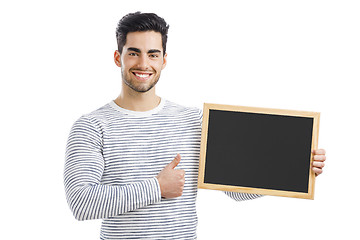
{"x": 141, "y": 88}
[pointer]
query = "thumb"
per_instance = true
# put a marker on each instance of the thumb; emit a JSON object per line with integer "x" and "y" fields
{"x": 174, "y": 162}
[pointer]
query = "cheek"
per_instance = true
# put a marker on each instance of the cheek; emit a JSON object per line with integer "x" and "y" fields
{"x": 159, "y": 65}
{"x": 127, "y": 62}
{"x": 162, "y": 65}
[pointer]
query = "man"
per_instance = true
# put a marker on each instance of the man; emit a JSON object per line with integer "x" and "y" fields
{"x": 134, "y": 161}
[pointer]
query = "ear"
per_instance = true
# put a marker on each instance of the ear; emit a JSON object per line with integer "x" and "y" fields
{"x": 164, "y": 61}
{"x": 117, "y": 58}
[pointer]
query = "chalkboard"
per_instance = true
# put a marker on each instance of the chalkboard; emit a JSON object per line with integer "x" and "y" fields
{"x": 258, "y": 150}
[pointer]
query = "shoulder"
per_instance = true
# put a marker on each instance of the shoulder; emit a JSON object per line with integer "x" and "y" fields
{"x": 172, "y": 107}
{"x": 94, "y": 120}
{"x": 175, "y": 109}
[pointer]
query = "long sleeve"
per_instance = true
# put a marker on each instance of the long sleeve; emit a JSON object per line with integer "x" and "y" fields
{"x": 84, "y": 166}
{"x": 242, "y": 196}
{"x": 234, "y": 195}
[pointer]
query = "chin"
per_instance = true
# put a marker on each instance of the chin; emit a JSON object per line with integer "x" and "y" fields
{"x": 141, "y": 89}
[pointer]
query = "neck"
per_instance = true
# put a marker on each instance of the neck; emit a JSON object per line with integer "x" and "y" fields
{"x": 135, "y": 101}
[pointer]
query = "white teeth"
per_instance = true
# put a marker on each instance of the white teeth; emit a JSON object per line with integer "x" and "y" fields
{"x": 142, "y": 75}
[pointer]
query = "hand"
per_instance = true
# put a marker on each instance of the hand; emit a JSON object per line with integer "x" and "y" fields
{"x": 318, "y": 161}
{"x": 171, "y": 180}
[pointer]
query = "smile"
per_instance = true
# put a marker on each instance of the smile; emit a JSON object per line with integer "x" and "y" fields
{"x": 142, "y": 76}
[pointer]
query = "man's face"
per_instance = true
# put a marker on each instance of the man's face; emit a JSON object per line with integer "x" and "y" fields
{"x": 141, "y": 60}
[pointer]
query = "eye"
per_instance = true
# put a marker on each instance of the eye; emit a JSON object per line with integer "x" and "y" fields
{"x": 154, "y": 55}
{"x": 133, "y": 54}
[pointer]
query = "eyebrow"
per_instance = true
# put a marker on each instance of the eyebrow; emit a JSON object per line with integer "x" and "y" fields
{"x": 139, "y": 51}
{"x": 154, "y": 51}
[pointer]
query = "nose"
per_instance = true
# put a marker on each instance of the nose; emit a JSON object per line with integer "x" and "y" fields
{"x": 143, "y": 62}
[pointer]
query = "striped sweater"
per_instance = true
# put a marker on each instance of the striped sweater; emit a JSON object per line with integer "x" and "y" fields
{"x": 113, "y": 156}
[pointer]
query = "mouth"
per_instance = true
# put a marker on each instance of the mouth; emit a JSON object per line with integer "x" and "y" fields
{"x": 142, "y": 76}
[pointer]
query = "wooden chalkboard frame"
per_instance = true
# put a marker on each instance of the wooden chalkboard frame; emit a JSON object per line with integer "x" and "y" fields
{"x": 203, "y": 151}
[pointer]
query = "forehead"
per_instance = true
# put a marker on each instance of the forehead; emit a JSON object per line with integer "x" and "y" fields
{"x": 144, "y": 40}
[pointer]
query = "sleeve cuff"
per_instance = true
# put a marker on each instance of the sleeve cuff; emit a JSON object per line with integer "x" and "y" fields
{"x": 157, "y": 190}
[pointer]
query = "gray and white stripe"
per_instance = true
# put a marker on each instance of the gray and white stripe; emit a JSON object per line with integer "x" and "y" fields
{"x": 113, "y": 156}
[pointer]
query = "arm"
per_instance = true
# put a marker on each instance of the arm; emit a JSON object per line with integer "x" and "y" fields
{"x": 84, "y": 166}
{"x": 242, "y": 196}
{"x": 318, "y": 165}
{"x": 234, "y": 195}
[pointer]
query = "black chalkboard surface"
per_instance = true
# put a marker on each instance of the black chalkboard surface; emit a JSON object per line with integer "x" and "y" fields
{"x": 258, "y": 150}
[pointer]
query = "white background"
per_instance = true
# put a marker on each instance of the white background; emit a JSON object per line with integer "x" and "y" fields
{"x": 57, "y": 64}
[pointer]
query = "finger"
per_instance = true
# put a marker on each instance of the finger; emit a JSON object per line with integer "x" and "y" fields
{"x": 319, "y": 164}
{"x": 317, "y": 171}
{"x": 174, "y": 162}
{"x": 319, "y": 152}
{"x": 319, "y": 158}
{"x": 181, "y": 172}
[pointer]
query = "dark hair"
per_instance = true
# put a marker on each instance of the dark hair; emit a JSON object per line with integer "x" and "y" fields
{"x": 141, "y": 22}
